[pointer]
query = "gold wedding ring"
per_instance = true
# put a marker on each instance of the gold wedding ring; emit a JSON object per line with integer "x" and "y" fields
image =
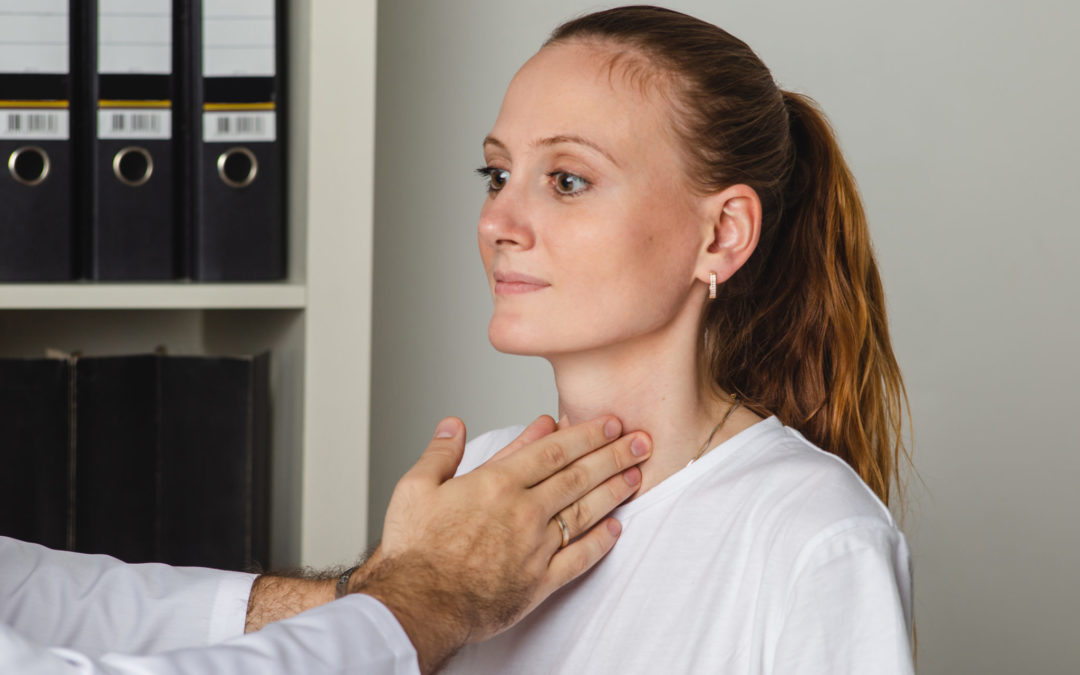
{"x": 565, "y": 531}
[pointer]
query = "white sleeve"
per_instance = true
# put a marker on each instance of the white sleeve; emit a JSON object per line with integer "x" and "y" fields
{"x": 94, "y": 603}
{"x": 849, "y": 607}
{"x": 355, "y": 634}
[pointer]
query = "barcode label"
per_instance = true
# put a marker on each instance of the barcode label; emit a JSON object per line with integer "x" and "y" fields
{"x": 134, "y": 123}
{"x": 240, "y": 126}
{"x": 34, "y": 124}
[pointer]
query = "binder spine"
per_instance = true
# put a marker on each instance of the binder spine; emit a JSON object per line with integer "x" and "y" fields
{"x": 132, "y": 226}
{"x": 33, "y": 449}
{"x": 214, "y": 462}
{"x": 117, "y": 456}
{"x": 237, "y": 135}
{"x": 38, "y": 50}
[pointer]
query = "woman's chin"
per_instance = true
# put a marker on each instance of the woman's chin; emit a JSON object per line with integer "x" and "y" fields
{"x": 514, "y": 340}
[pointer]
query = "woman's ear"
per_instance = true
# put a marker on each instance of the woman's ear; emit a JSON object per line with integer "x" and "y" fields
{"x": 732, "y": 226}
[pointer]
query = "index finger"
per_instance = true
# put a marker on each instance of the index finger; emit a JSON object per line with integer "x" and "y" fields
{"x": 541, "y": 426}
{"x": 542, "y": 458}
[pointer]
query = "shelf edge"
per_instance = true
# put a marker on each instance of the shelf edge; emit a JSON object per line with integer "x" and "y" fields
{"x": 152, "y": 296}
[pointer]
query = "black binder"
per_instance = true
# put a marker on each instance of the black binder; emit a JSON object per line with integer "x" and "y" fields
{"x": 37, "y": 53}
{"x": 116, "y": 456}
{"x": 214, "y": 462}
{"x": 235, "y": 135}
{"x": 34, "y": 450}
{"x": 132, "y": 224}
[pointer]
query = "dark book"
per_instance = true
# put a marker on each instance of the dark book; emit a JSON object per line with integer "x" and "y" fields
{"x": 34, "y": 450}
{"x": 117, "y": 440}
{"x": 214, "y": 462}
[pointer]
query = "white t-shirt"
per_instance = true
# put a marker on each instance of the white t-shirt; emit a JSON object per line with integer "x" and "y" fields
{"x": 64, "y": 613}
{"x": 767, "y": 555}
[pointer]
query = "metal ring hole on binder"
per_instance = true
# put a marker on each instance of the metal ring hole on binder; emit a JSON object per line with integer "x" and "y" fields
{"x": 133, "y": 166}
{"x": 237, "y": 167}
{"x": 29, "y": 165}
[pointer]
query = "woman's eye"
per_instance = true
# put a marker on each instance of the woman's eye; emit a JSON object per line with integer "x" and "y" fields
{"x": 568, "y": 184}
{"x": 496, "y": 178}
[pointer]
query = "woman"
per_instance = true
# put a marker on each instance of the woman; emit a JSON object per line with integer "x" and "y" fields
{"x": 685, "y": 245}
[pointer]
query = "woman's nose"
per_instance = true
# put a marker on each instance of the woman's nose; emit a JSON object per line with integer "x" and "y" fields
{"x": 504, "y": 221}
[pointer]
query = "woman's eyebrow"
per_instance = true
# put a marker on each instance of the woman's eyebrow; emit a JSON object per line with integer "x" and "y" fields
{"x": 491, "y": 140}
{"x": 554, "y": 140}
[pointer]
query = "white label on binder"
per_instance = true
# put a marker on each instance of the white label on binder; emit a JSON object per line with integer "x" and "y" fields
{"x": 34, "y": 36}
{"x": 33, "y": 124}
{"x": 238, "y": 38}
{"x": 135, "y": 123}
{"x": 259, "y": 125}
{"x": 135, "y": 36}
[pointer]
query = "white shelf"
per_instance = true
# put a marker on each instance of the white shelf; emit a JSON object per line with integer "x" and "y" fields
{"x": 165, "y": 295}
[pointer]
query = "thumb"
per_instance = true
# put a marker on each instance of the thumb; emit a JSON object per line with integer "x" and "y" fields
{"x": 443, "y": 454}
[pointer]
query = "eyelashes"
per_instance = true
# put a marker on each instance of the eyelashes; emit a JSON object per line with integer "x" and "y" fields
{"x": 495, "y": 178}
{"x": 563, "y": 183}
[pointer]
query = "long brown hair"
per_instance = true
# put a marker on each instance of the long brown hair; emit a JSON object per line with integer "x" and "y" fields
{"x": 800, "y": 330}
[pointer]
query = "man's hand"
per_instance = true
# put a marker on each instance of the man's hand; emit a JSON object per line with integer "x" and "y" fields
{"x": 464, "y": 558}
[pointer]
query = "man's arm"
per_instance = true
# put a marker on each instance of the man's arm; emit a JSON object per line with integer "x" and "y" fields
{"x": 356, "y": 634}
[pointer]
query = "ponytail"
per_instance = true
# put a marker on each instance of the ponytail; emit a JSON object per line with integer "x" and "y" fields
{"x": 808, "y": 338}
{"x": 800, "y": 330}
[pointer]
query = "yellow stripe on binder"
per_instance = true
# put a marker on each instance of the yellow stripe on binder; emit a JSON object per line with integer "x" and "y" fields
{"x": 269, "y": 105}
{"x": 33, "y": 104}
{"x": 110, "y": 103}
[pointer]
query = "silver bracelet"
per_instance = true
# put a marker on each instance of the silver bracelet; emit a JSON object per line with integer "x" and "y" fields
{"x": 343, "y": 583}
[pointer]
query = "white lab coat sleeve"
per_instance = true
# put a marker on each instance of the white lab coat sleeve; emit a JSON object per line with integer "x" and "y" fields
{"x": 356, "y": 634}
{"x": 95, "y": 603}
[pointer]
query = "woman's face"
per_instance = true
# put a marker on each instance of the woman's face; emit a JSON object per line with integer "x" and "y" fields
{"x": 589, "y": 234}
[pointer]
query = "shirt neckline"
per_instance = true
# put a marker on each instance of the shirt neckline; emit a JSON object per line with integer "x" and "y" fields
{"x": 717, "y": 455}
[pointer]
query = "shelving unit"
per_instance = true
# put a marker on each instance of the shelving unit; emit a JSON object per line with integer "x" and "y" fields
{"x": 317, "y": 323}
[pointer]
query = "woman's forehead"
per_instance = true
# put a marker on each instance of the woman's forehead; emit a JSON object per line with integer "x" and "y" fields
{"x": 586, "y": 90}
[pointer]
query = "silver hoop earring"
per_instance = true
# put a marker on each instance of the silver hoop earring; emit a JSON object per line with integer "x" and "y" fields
{"x": 712, "y": 285}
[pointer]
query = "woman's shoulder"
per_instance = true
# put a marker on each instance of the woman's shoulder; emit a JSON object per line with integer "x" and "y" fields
{"x": 481, "y": 448}
{"x": 805, "y": 487}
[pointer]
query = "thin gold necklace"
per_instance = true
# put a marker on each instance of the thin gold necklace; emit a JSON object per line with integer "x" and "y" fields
{"x": 735, "y": 402}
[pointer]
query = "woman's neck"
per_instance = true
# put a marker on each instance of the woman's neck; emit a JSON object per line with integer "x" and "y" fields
{"x": 651, "y": 384}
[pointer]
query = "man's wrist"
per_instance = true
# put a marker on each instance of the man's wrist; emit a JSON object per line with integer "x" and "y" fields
{"x": 274, "y": 598}
{"x": 408, "y": 587}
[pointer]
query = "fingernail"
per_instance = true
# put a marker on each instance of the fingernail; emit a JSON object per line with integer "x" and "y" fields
{"x": 638, "y": 446}
{"x": 612, "y": 428}
{"x": 632, "y": 476}
{"x": 447, "y": 429}
{"x": 614, "y": 527}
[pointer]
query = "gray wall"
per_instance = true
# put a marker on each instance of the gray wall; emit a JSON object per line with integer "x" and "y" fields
{"x": 958, "y": 119}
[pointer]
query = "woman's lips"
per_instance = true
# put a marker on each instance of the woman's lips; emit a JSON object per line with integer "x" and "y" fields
{"x": 513, "y": 283}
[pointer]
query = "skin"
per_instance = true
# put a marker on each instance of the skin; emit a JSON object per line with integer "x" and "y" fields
{"x": 464, "y": 558}
{"x": 589, "y": 199}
